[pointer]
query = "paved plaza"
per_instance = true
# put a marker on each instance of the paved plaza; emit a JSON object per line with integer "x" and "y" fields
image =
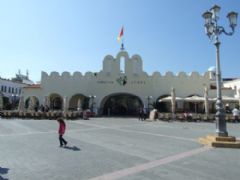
{"x": 114, "y": 148}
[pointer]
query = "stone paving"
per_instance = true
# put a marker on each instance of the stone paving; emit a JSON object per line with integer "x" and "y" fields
{"x": 114, "y": 148}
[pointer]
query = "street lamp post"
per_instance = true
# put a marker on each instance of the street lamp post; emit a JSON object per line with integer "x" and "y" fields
{"x": 213, "y": 31}
{"x": 92, "y": 97}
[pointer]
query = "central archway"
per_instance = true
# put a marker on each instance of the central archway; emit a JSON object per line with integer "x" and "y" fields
{"x": 121, "y": 104}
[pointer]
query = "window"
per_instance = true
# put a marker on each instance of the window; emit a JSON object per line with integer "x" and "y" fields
{"x": 9, "y": 89}
{"x": 213, "y": 86}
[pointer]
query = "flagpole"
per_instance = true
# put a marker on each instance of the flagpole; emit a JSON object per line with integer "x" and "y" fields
{"x": 122, "y": 44}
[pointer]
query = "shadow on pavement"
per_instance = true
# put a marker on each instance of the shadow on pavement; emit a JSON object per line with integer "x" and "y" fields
{"x": 73, "y": 148}
{"x": 2, "y": 172}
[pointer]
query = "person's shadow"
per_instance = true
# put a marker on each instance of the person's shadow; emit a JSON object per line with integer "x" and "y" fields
{"x": 2, "y": 172}
{"x": 73, "y": 148}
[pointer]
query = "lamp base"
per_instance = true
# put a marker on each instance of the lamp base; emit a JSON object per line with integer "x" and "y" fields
{"x": 220, "y": 141}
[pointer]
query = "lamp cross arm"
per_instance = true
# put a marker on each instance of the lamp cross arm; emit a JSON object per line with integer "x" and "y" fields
{"x": 222, "y": 30}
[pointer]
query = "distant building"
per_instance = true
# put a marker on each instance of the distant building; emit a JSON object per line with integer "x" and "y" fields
{"x": 11, "y": 89}
{"x": 121, "y": 87}
{"x": 233, "y": 84}
{"x": 22, "y": 78}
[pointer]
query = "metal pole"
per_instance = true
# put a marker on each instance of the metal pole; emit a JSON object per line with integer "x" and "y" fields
{"x": 213, "y": 31}
{"x": 221, "y": 128}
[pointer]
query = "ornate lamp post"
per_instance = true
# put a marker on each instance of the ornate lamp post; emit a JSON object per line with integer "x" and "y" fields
{"x": 213, "y": 31}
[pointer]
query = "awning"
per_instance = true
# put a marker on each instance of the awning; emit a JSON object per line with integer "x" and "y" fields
{"x": 194, "y": 99}
{"x": 226, "y": 99}
{"x": 198, "y": 99}
{"x": 169, "y": 98}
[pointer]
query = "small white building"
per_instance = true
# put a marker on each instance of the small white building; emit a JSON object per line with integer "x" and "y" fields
{"x": 120, "y": 88}
{"x": 235, "y": 85}
{"x": 10, "y": 90}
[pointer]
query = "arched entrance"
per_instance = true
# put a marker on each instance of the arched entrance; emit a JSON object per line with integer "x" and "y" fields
{"x": 78, "y": 101}
{"x": 6, "y": 103}
{"x": 121, "y": 104}
{"x": 56, "y": 102}
{"x": 32, "y": 103}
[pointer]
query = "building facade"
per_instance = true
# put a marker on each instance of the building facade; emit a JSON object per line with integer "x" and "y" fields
{"x": 10, "y": 90}
{"x": 234, "y": 84}
{"x": 120, "y": 88}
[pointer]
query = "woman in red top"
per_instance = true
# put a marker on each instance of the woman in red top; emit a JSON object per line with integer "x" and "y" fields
{"x": 61, "y": 131}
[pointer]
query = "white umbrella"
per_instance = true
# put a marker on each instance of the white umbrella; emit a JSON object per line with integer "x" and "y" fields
{"x": 31, "y": 103}
{"x": 46, "y": 101}
{"x": 169, "y": 98}
{"x": 227, "y": 99}
{"x": 194, "y": 99}
{"x": 79, "y": 104}
{"x": 21, "y": 104}
{"x": 206, "y": 105}
{"x": 173, "y": 100}
{"x": 65, "y": 104}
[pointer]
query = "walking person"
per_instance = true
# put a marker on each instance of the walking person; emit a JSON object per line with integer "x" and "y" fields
{"x": 144, "y": 114}
{"x": 236, "y": 114}
{"x": 61, "y": 131}
{"x": 140, "y": 114}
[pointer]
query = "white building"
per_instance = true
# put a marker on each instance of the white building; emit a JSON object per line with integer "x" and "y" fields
{"x": 10, "y": 90}
{"x": 235, "y": 85}
{"x": 120, "y": 88}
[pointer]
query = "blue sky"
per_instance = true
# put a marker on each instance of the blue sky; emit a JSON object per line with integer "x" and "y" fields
{"x": 75, "y": 35}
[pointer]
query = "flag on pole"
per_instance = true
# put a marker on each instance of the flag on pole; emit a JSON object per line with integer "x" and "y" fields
{"x": 120, "y": 35}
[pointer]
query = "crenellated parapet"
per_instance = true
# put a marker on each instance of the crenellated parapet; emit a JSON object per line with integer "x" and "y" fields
{"x": 124, "y": 65}
{"x": 66, "y": 75}
{"x": 181, "y": 75}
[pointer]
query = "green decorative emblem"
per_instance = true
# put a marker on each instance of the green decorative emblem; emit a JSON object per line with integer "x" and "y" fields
{"x": 122, "y": 80}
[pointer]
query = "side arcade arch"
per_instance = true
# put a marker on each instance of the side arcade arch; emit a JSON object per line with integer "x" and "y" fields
{"x": 120, "y": 104}
{"x": 78, "y": 102}
{"x": 56, "y": 101}
{"x": 31, "y": 103}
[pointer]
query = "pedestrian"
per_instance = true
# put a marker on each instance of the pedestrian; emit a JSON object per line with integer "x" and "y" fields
{"x": 61, "y": 131}
{"x": 227, "y": 109}
{"x": 235, "y": 113}
{"x": 140, "y": 114}
{"x": 46, "y": 108}
{"x": 144, "y": 114}
{"x": 42, "y": 109}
